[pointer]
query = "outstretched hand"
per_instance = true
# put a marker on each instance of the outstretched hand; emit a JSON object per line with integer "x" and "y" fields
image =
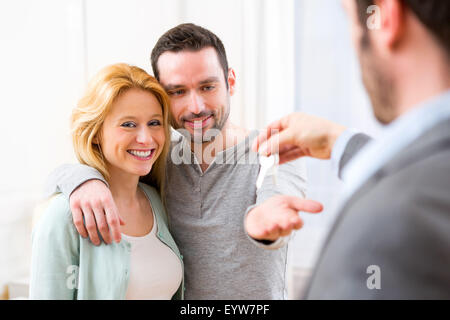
{"x": 278, "y": 216}
{"x": 298, "y": 135}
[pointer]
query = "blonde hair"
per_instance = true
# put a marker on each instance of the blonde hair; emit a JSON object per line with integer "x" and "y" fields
{"x": 92, "y": 109}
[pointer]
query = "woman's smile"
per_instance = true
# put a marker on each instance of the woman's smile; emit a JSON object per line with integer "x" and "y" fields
{"x": 142, "y": 155}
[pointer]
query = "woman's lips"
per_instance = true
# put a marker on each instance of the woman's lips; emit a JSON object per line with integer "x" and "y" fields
{"x": 142, "y": 155}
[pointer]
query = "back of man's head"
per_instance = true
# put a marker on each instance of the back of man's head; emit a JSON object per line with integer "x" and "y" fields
{"x": 433, "y": 14}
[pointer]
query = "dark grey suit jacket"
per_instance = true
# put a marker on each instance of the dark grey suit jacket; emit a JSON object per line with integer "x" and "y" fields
{"x": 391, "y": 239}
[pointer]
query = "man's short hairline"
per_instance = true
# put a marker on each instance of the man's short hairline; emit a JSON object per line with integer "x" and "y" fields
{"x": 156, "y": 72}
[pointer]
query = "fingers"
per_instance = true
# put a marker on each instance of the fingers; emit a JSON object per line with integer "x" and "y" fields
{"x": 290, "y": 153}
{"x": 91, "y": 226}
{"x": 296, "y": 222}
{"x": 102, "y": 226}
{"x": 290, "y": 223}
{"x": 271, "y": 232}
{"x": 304, "y": 205}
{"x": 266, "y": 134}
{"x": 278, "y": 216}
{"x": 94, "y": 200}
{"x": 114, "y": 220}
{"x": 276, "y": 142}
{"x": 102, "y": 217}
{"x": 77, "y": 217}
{"x": 259, "y": 227}
{"x": 283, "y": 226}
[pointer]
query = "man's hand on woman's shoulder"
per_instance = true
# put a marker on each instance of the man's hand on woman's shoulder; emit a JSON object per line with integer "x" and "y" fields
{"x": 93, "y": 201}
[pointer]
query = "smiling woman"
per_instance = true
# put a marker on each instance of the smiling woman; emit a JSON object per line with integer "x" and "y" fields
{"x": 120, "y": 127}
{"x": 133, "y": 134}
{"x": 96, "y": 108}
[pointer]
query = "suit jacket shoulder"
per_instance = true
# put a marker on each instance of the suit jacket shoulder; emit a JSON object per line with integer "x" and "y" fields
{"x": 398, "y": 222}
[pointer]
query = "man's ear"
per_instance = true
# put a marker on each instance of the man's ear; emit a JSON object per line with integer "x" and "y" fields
{"x": 392, "y": 24}
{"x": 231, "y": 81}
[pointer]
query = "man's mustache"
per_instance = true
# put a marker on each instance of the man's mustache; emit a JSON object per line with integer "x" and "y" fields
{"x": 192, "y": 116}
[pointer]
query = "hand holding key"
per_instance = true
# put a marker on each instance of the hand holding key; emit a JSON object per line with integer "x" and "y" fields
{"x": 298, "y": 135}
{"x": 278, "y": 216}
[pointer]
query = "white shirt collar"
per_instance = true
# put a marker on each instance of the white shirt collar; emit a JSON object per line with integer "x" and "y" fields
{"x": 393, "y": 139}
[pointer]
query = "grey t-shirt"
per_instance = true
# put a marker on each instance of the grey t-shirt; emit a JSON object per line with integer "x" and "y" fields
{"x": 206, "y": 217}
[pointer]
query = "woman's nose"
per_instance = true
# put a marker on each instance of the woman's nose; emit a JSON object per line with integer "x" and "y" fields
{"x": 144, "y": 136}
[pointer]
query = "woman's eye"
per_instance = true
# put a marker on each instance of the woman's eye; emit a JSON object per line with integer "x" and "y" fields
{"x": 154, "y": 123}
{"x": 128, "y": 125}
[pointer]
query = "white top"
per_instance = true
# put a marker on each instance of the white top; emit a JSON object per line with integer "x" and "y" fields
{"x": 155, "y": 270}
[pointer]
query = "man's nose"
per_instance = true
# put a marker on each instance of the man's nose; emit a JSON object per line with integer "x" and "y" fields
{"x": 196, "y": 104}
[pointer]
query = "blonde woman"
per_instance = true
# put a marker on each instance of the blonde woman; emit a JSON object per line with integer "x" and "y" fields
{"x": 120, "y": 127}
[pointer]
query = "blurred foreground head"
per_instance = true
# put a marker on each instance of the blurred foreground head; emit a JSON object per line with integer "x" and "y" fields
{"x": 404, "y": 51}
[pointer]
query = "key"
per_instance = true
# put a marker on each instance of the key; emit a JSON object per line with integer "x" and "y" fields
{"x": 269, "y": 166}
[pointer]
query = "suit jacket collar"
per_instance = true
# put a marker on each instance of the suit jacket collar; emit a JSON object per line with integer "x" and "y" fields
{"x": 435, "y": 139}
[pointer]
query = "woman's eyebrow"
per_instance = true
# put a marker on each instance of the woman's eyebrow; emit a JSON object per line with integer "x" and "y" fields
{"x": 155, "y": 115}
{"x": 127, "y": 118}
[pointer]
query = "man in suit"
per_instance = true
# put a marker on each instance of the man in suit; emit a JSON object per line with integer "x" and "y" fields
{"x": 391, "y": 238}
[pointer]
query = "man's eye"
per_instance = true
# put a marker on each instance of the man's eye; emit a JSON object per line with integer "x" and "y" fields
{"x": 176, "y": 92}
{"x": 208, "y": 88}
{"x": 154, "y": 123}
{"x": 128, "y": 125}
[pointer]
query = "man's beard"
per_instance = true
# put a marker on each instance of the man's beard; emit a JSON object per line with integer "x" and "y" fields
{"x": 204, "y": 136}
{"x": 378, "y": 83}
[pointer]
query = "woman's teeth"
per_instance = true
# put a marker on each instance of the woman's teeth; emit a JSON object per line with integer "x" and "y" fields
{"x": 142, "y": 154}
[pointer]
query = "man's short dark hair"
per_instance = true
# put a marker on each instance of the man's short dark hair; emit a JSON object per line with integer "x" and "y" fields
{"x": 434, "y": 15}
{"x": 188, "y": 37}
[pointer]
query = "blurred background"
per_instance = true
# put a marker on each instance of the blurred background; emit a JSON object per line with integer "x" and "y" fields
{"x": 288, "y": 55}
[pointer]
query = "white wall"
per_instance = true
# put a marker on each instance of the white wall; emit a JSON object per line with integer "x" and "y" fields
{"x": 40, "y": 64}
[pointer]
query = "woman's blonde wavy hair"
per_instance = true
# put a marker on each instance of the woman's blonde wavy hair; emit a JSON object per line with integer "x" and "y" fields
{"x": 89, "y": 115}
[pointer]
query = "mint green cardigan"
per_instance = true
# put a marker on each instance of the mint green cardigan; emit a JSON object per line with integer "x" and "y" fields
{"x": 64, "y": 265}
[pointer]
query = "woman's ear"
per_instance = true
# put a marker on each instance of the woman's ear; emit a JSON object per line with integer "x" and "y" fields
{"x": 95, "y": 140}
